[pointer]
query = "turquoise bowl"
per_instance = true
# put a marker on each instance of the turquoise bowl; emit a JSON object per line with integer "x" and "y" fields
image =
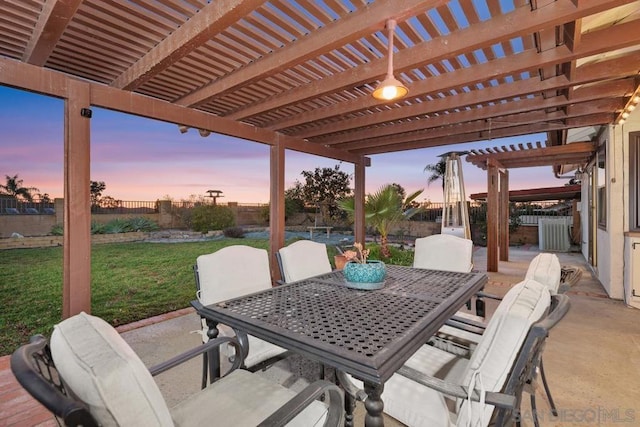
{"x": 373, "y": 272}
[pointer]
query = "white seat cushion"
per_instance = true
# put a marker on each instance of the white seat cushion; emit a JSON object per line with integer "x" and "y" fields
{"x": 103, "y": 371}
{"x": 415, "y": 405}
{"x": 493, "y": 358}
{"x": 545, "y": 268}
{"x": 232, "y": 272}
{"x": 303, "y": 259}
{"x": 242, "y": 399}
{"x": 444, "y": 252}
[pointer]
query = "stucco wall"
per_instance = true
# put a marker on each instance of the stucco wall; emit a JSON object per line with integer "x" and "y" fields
{"x": 610, "y": 242}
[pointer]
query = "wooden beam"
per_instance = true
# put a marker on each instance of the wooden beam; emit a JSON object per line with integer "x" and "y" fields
{"x": 76, "y": 288}
{"x": 49, "y": 82}
{"x": 588, "y": 73}
{"x": 580, "y": 148}
{"x": 596, "y": 42}
{"x": 521, "y": 21}
{"x": 515, "y": 111}
{"x": 52, "y": 21}
{"x": 337, "y": 34}
{"x": 196, "y": 31}
{"x": 480, "y": 136}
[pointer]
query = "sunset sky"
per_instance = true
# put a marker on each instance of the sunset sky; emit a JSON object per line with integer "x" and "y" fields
{"x": 144, "y": 160}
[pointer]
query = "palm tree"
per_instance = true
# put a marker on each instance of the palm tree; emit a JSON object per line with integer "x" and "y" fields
{"x": 437, "y": 171}
{"x": 14, "y": 189}
{"x": 382, "y": 210}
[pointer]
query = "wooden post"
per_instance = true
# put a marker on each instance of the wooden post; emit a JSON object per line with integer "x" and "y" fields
{"x": 358, "y": 198}
{"x": 76, "y": 289}
{"x": 492, "y": 215}
{"x": 276, "y": 208}
{"x": 504, "y": 215}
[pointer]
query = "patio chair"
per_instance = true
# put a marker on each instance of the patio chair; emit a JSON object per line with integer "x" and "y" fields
{"x": 302, "y": 259}
{"x": 436, "y": 388}
{"x": 228, "y": 273}
{"x": 465, "y": 330}
{"x": 88, "y": 375}
{"x": 444, "y": 252}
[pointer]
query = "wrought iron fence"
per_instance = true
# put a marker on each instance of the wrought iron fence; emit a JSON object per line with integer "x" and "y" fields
{"x": 527, "y": 212}
{"x": 112, "y": 206}
{"x": 12, "y": 206}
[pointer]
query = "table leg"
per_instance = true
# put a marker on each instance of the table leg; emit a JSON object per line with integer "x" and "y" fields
{"x": 373, "y": 405}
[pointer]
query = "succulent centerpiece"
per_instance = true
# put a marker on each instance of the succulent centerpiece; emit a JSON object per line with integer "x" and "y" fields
{"x": 362, "y": 273}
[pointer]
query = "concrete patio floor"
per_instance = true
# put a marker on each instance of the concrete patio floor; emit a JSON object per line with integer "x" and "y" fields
{"x": 591, "y": 358}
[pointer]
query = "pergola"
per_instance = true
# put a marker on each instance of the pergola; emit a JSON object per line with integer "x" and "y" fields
{"x": 497, "y": 161}
{"x": 299, "y": 76}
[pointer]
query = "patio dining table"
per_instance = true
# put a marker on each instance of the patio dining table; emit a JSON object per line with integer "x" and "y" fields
{"x": 368, "y": 334}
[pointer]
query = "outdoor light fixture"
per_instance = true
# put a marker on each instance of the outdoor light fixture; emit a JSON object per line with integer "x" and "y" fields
{"x": 632, "y": 103}
{"x": 390, "y": 88}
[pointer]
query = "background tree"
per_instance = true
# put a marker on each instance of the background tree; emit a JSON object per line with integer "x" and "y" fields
{"x": 294, "y": 199}
{"x": 384, "y": 209}
{"x": 96, "y": 189}
{"x": 323, "y": 187}
{"x": 437, "y": 171}
{"x": 14, "y": 189}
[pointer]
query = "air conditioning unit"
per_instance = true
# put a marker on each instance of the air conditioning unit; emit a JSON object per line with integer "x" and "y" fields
{"x": 553, "y": 234}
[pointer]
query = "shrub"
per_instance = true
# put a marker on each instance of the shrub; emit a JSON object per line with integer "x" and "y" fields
{"x": 118, "y": 225}
{"x": 206, "y": 218}
{"x": 97, "y": 228}
{"x": 142, "y": 224}
{"x": 234, "y": 232}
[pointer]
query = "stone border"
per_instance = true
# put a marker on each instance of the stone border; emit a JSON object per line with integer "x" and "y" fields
{"x": 52, "y": 241}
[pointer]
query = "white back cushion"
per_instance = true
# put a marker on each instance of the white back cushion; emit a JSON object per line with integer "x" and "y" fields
{"x": 545, "y": 268}
{"x": 303, "y": 259}
{"x": 498, "y": 348}
{"x": 444, "y": 252}
{"x": 231, "y": 272}
{"x": 101, "y": 369}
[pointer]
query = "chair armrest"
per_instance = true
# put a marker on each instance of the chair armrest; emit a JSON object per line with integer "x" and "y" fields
{"x": 500, "y": 400}
{"x": 482, "y": 294}
{"x": 190, "y": 354}
{"x": 310, "y": 393}
{"x": 466, "y": 324}
{"x": 349, "y": 387}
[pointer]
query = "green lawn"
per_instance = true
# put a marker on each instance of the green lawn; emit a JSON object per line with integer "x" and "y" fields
{"x": 129, "y": 282}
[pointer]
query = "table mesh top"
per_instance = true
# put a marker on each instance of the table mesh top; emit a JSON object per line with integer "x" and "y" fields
{"x": 325, "y": 310}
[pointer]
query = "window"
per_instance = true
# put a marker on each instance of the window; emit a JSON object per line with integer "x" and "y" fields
{"x": 601, "y": 185}
{"x": 634, "y": 180}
